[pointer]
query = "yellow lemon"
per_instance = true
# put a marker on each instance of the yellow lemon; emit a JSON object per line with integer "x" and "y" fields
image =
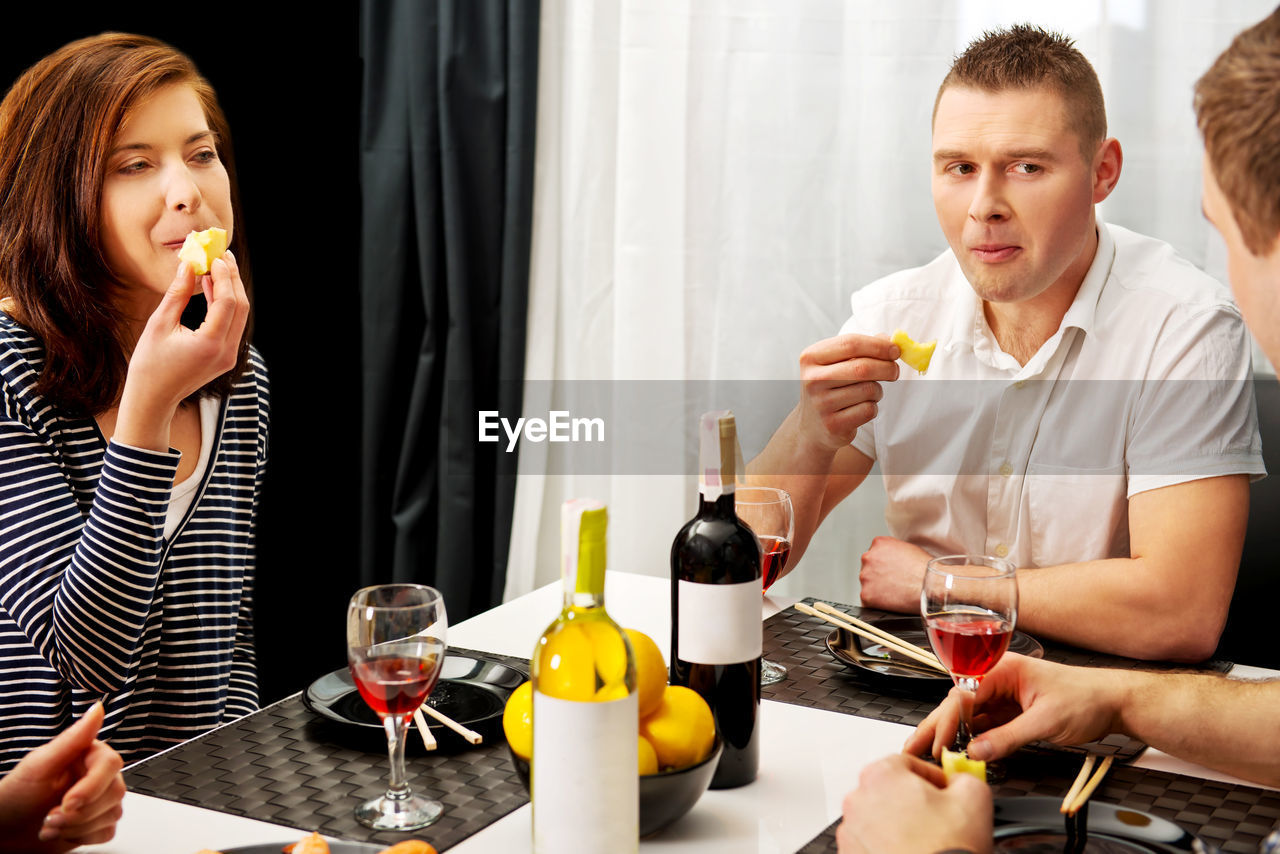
{"x": 651, "y": 671}
{"x": 610, "y": 651}
{"x": 917, "y": 355}
{"x": 612, "y": 691}
{"x": 959, "y": 763}
{"x": 648, "y": 756}
{"x": 567, "y": 665}
{"x": 517, "y": 721}
{"x": 682, "y": 730}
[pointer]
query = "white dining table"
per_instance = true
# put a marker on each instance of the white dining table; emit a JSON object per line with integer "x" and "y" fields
{"x": 810, "y": 758}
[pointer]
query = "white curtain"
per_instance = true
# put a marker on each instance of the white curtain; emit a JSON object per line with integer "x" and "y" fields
{"x": 715, "y": 177}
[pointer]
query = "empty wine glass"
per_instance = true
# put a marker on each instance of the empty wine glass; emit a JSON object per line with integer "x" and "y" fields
{"x": 767, "y": 511}
{"x": 395, "y": 648}
{"x": 970, "y": 607}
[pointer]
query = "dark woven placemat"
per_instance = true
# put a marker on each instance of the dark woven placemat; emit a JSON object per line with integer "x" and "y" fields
{"x": 1233, "y": 818}
{"x": 816, "y": 679}
{"x": 286, "y": 766}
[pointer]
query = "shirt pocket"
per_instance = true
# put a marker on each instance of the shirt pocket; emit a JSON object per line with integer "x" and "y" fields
{"x": 1077, "y": 514}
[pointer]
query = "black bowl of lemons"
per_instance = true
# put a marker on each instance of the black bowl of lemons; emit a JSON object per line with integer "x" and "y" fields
{"x": 678, "y": 747}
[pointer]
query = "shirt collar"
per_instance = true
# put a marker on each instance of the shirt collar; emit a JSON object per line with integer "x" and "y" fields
{"x": 970, "y": 323}
{"x": 1084, "y": 307}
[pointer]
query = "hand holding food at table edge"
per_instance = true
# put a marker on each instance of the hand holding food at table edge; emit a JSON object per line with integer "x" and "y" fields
{"x": 1024, "y": 700}
{"x": 63, "y": 794}
{"x": 903, "y": 803}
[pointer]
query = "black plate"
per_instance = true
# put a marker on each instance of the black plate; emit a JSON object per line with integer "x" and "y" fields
{"x": 334, "y": 848}
{"x": 1033, "y": 825}
{"x": 854, "y": 651}
{"x": 473, "y": 690}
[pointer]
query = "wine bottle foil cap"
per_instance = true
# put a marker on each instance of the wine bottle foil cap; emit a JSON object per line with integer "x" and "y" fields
{"x": 584, "y": 523}
{"x": 718, "y": 456}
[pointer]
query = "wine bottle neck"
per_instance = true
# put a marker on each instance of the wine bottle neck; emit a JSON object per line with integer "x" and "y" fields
{"x": 720, "y": 507}
{"x": 578, "y": 600}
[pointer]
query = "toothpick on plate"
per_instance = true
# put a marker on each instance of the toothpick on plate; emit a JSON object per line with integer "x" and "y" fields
{"x": 1093, "y": 783}
{"x": 428, "y": 740}
{"x": 879, "y": 632}
{"x": 470, "y": 735}
{"x": 1080, "y": 790}
{"x": 843, "y": 621}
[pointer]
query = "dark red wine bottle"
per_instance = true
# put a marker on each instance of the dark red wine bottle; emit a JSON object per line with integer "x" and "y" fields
{"x": 716, "y": 632}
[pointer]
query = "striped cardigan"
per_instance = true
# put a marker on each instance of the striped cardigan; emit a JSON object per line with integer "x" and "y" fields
{"x": 94, "y": 602}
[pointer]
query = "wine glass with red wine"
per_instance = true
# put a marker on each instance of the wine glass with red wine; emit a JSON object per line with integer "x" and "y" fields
{"x": 395, "y": 648}
{"x": 767, "y": 511}
{"x": 970, "y": 606}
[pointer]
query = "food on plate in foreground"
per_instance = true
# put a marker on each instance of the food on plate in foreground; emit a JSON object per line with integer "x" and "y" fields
{"x": 202, "y": 248}
{"x": 916, "y": 354}
{"x": 315, "y": 844}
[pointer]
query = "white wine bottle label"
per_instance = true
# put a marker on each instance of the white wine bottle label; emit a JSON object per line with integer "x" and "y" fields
{"x": 720, "y": 623}
{"x": 585, "y": 778}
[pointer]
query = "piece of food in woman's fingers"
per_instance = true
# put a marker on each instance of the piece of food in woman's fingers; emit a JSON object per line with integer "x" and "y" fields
{"x": 958, "y": 762}
{"x": 916, "y": 354}
{"x": 202, "y": 248}
{"x": 313, "y": 844}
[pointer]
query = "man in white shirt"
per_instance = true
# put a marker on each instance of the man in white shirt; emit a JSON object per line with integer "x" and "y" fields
{"x": 903, "y": 804}
{"x": 1088, "y": 412}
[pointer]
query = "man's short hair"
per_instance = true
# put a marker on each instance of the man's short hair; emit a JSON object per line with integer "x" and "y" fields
{"x": 1027, "y": 57}
{"x": 1237, "y": 104}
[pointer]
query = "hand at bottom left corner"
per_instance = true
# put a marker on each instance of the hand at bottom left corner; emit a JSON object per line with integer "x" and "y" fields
{"x": 64, "y": 794}
{"x": 904, "y": 804}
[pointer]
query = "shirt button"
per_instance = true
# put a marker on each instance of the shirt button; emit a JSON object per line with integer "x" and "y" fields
{"x": 1019, "y": 383}
{"x": 1005, "y": 471}
{"x": 1002, "y": 550}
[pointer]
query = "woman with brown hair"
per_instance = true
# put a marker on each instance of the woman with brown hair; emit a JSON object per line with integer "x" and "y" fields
{"x": 131, "y": 446}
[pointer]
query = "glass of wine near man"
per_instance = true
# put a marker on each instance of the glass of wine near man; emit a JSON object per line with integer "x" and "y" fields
{"x": 970, "y": 606}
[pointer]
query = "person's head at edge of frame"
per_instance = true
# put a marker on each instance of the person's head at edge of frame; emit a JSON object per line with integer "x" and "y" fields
{"x": 1020, "y": 158}
{"x": 112, "y": 148}
{"x": 1237, "y": 106}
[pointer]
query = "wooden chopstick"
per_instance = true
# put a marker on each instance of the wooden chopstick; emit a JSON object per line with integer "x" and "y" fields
{"x": 1080, "y": 790}
{"x": 900, "y": 647}
{"x": 470, "y": 735}
{"x": 879, "y": 633}
{"x": 428, "y": 740}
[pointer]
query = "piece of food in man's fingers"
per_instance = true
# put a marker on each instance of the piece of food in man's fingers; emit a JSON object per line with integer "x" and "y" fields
{"x": 958, "y": 762}
{"x": 917, "y": 355}
{"x": 202, "y": 248}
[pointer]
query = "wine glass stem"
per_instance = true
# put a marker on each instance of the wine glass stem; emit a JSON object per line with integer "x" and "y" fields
{"x": 396, "y": 727}
{"x": 968, "y": 689}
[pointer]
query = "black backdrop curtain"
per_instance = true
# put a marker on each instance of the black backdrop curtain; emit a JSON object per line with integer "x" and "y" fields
{"x": 447, "y": 140}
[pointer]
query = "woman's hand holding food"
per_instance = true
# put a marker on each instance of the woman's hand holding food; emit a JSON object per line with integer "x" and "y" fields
{"x": 1024, "y": 700}
{"x": 171, "y": 361}
{"x": 904, "y": 804}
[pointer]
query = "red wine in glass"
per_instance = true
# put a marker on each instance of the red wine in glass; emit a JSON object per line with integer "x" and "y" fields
{"x": 970, "y": 606}
{"x": 969, "y": 643}
{"x": 774, "y": 552}
{"x": 396, "y": 684}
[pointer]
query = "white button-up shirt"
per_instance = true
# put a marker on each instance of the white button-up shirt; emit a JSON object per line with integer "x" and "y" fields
{"x": 1146, "y": 383}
